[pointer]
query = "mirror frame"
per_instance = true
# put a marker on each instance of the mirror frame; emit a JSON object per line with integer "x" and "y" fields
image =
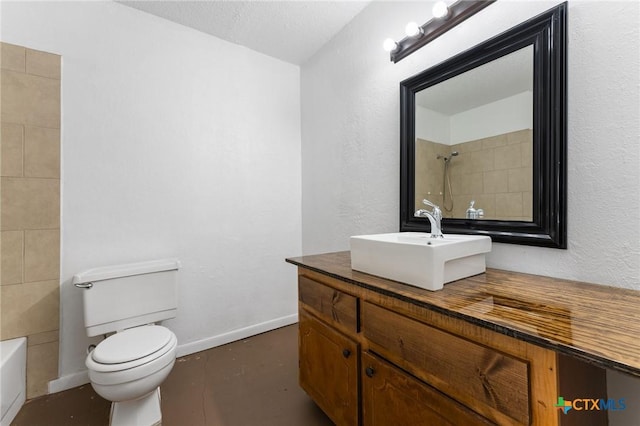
{"x": 547, "y": 33}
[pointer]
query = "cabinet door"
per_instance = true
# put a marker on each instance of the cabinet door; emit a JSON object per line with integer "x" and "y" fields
{"x": 391, "y": 396}
{"x": 329, "y": 369}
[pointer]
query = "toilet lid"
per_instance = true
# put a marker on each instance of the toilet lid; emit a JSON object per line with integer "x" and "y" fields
{"x": 131, "y": 344}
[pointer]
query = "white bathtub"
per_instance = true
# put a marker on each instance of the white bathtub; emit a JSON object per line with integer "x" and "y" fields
{"x": 13, "y": 369}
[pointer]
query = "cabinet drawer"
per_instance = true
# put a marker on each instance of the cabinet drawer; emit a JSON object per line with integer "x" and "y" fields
{"x": 492, "y": 383}
{"x": 392, "y": 397}
{"x": 334, "y": 306}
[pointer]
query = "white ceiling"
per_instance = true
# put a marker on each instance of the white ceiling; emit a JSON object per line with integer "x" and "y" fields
{"x": 289, "y": 30}
{"x": 499, "y": 79}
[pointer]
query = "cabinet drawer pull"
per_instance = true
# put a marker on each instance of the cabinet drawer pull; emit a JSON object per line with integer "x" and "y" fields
{"x": 346, "y": 353}
{"x": 369, "y": 371}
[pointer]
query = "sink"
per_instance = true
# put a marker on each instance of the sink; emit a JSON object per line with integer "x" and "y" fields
{"x": 417, "y": 259}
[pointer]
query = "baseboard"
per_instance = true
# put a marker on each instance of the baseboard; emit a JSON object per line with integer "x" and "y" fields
{"x": 82, "y": 377}
{"x": 69, "y": 381}
{"x": 232, "y": 336}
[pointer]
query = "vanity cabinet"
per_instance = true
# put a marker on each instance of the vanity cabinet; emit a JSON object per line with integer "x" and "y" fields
{"x": 406, "y": 373}
{"x": 372, "y": 354}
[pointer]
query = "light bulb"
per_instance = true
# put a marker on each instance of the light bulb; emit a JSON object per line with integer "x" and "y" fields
{"x": 413, "y": 30}
{"x": 389, "y": 45}
{"x": 440, "y": 9}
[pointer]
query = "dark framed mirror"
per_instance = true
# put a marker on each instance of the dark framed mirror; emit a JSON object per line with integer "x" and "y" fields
{"x": 483, "y": 136}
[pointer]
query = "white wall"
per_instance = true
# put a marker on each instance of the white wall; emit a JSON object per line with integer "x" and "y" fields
{"x": 432, "y": 125}
{"x": 350, "y": 140}
{"x": 174, "y": 143}
{"x": 496, "y": 118}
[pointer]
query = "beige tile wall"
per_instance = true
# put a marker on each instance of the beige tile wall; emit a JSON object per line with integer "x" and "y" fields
{"x": 429, "y": 172}
{"x": 30, "y": 208}
{"x": 496, "y": 172}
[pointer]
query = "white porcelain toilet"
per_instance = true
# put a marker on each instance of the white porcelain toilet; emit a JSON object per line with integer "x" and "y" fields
{"x": 128, "y": 367}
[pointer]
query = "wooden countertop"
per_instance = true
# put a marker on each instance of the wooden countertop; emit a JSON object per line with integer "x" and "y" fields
{"x": 598, "y": 324}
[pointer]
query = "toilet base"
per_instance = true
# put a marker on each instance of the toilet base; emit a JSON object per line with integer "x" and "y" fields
{"x": 144, "y": 411}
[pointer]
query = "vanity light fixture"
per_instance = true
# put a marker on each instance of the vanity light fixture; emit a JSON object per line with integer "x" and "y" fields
{"x": 444, "y": 18}
{"x": 390, "y": 45}
{"x": 413, "y": 30}
{"x": 440, "y": 10}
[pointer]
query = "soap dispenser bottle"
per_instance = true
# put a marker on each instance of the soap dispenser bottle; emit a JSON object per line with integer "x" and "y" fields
{"x": 471, "y": 212}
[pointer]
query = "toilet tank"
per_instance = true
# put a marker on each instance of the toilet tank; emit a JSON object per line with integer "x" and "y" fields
{"x": 123, "y": 296}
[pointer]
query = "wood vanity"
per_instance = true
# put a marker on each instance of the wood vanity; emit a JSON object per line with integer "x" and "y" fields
{"x": 496, "y": 348}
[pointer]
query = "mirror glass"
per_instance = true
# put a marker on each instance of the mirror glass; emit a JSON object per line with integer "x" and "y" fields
{"x": 474, "y": 141}
{"x": 483, "y": 136}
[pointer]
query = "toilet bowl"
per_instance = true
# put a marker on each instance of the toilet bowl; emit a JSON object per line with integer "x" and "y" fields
{"x": 128, "y": 367}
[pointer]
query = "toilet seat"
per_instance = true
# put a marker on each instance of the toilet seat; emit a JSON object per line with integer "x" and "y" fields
{"x": 131, "y": 348}
{"x": 131, "y": 344}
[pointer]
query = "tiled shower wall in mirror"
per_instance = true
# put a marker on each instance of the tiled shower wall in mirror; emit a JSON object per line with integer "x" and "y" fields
{"x": 30, "y": 209}
{"x": 496, "y": 172}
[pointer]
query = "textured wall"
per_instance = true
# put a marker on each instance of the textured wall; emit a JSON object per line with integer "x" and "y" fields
{"x": 350, "y": 147}
{"x": 30, "y": 217}
{"x": 174, "y": 143}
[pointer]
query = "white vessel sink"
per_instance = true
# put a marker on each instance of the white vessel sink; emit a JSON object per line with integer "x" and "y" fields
{"x": 417, "y": 259}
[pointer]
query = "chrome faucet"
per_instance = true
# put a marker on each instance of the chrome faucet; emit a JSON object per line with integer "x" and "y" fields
{"x": 434, "y": 216}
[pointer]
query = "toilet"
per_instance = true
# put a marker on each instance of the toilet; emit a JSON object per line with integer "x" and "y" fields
{"x": 127, "y": 368}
